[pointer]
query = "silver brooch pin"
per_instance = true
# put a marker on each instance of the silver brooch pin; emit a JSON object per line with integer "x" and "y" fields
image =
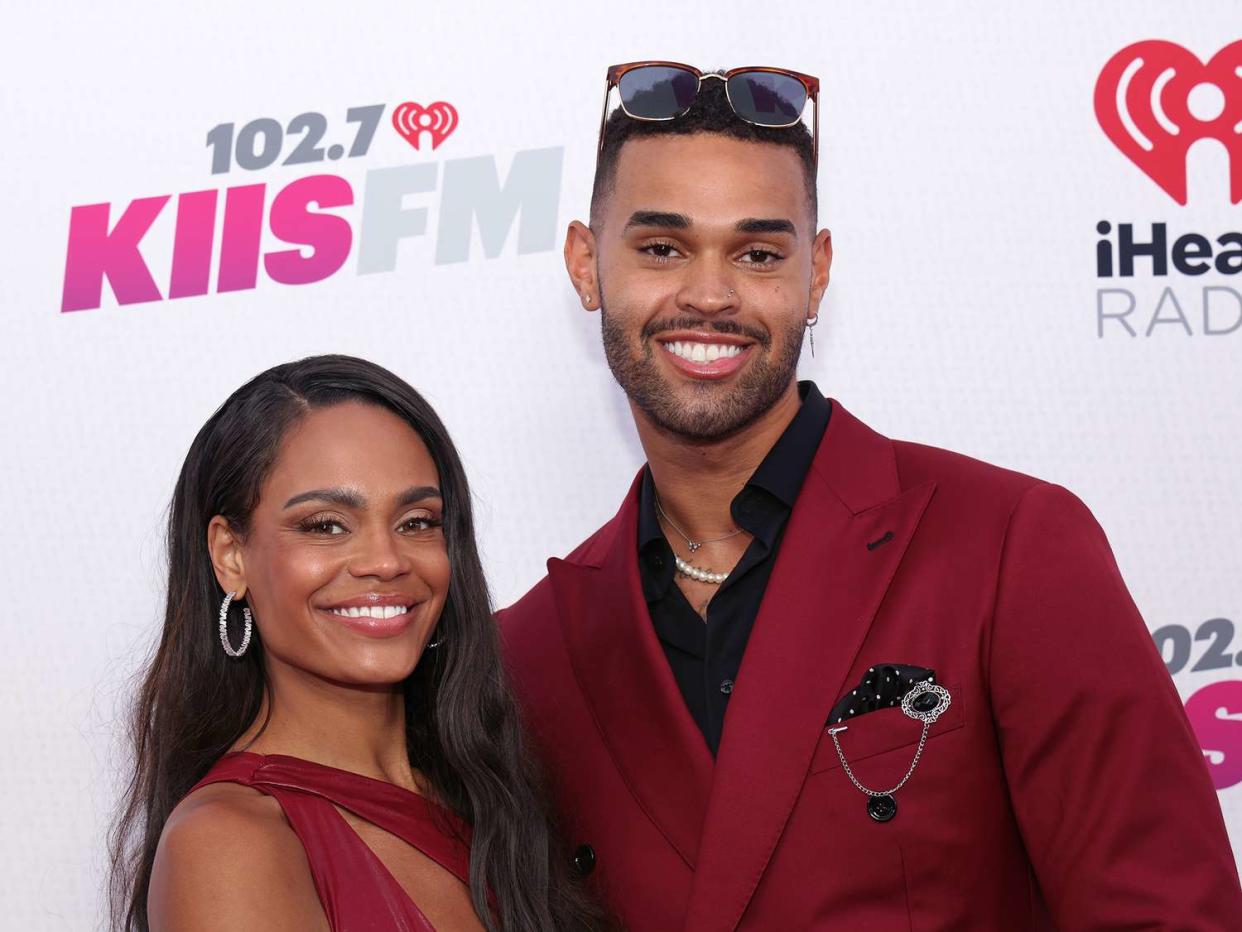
{"x": 881, "y": 805}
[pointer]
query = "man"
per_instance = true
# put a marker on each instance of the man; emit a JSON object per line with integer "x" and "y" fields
{"x": 809, "y": 677}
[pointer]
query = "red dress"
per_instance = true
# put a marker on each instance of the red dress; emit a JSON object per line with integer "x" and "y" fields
{"x": 355, "y": 888}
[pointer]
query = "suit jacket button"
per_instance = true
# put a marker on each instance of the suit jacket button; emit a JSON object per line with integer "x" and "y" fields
{"x": 584, "y": 860}
{"x": 881, "y": 808}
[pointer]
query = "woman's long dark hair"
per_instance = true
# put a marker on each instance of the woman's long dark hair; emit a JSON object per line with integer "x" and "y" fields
{"x": 462, "y": 728}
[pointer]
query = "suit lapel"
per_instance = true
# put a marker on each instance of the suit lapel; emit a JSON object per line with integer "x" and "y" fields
{"x": 622, "y": 671}
{"x": 819, "y": 604}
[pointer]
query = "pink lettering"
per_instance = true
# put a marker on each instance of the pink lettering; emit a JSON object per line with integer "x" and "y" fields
{"x": 192, "y": 244}
{"x": 292, "y": 221}
{"x": 1215, "y": 713}
{"x": 94, "y": 252}
{"x": 239, "y": 242}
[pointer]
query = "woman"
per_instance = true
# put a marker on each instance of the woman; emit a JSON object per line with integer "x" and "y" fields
{"x": 324, "y": 739}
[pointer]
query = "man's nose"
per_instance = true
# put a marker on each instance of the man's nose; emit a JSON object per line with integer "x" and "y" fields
{"x": 708, "y": 287}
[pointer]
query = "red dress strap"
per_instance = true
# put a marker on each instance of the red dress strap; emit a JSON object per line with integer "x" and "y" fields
{"x": 355, "y": 888}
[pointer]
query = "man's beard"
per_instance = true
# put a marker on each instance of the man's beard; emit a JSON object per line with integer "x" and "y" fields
{"x": 717, "y": 410}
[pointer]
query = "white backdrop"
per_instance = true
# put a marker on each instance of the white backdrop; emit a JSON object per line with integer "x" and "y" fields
{"x": 964, "y": 172}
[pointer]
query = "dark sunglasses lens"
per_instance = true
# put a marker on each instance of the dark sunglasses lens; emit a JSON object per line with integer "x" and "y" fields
{"x": 657, "y": 92}
{"x": 766, "y": 98}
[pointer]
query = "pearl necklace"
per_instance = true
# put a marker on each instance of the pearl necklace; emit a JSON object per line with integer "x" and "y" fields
{"x": 686, "y": 568}
{"x": 702, "y": 575}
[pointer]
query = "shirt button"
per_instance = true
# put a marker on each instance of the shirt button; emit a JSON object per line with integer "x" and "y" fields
{"x": 726, "y": 687}
{"x": 584, "y": 860}
{"x": 657, "y": 561}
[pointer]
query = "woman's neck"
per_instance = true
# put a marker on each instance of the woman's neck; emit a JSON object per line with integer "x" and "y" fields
{"x": 355, "y": 728}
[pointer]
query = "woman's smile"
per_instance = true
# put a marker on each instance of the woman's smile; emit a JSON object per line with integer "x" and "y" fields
{"x": 374, "y": 615}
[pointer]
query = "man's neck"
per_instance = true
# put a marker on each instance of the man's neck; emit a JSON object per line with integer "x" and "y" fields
{"x": 697, "y": 482}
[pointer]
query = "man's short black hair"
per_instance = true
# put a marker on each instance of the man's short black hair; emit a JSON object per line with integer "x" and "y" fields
{"x": 710, "y": 113}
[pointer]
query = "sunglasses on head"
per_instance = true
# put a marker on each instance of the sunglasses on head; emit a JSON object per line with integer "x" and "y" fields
{"x": 665, "y": 90}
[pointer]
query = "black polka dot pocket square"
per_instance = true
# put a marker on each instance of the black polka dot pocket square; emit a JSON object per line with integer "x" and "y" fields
{"x": 883, "y": 686}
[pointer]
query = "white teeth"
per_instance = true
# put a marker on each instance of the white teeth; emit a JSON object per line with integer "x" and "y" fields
{"x": 703, "y": 352}
{"x": 371, "y": 611}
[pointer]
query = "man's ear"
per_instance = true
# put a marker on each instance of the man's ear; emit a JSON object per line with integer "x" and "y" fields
{"x": 580, "y": 263}
{"x": 225, "y": 547}
{"x": 821, "y": 263}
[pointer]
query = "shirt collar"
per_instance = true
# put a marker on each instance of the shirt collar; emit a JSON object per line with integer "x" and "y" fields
{"x": 785, "y": 467}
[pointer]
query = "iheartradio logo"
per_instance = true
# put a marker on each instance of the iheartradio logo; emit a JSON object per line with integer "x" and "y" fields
{"x": 1155, "y": 99}
{"x": 437, "y": 120}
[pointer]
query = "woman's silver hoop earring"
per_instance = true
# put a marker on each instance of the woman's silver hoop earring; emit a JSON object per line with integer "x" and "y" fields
{"x": 810, "y": 329}
{"x": 224, "y": 627}
{"x": 432, "y": 645}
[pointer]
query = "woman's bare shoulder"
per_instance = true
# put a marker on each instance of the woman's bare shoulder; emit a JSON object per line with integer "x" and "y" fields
{"x": 228, "y": 859}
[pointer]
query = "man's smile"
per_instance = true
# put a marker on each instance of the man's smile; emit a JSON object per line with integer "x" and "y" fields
{"x": 706, "y": 355}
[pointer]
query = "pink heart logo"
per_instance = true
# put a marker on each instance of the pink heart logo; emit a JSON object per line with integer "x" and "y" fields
{"x": 438, "y": 120}
{"x": 1154, "y": 99}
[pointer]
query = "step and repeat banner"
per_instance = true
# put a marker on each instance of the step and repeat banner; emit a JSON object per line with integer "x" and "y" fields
{"x": 1037, "y": 215}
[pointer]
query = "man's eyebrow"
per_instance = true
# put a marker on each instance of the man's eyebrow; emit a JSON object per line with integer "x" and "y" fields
{"x": 658, "y": 218}
{"x": 349, "y": 498}
{"x": 766, "y": 225}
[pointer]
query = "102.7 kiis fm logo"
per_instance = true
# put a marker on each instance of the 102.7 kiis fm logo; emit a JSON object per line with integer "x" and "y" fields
{"x": 312, "y": 215}
{"x": 1154, "y": 100}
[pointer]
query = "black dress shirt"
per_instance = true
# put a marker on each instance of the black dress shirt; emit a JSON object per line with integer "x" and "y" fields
{"x": 705, "y": 657}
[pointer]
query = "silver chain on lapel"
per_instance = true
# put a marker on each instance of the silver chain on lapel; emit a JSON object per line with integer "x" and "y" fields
{"x": 907, "y": 706}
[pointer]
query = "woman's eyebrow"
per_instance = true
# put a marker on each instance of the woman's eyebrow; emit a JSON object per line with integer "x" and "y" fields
{"x": 417, "y": 494}
{"x": 347, "y": 498}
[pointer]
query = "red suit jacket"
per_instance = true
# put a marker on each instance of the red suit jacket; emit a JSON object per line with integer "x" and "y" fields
{"x": 1063, "y": 788}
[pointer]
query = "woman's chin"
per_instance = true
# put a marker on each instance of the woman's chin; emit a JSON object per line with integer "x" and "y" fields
{"x": 376, "y": 666}
{"x": 381, "y": 671}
